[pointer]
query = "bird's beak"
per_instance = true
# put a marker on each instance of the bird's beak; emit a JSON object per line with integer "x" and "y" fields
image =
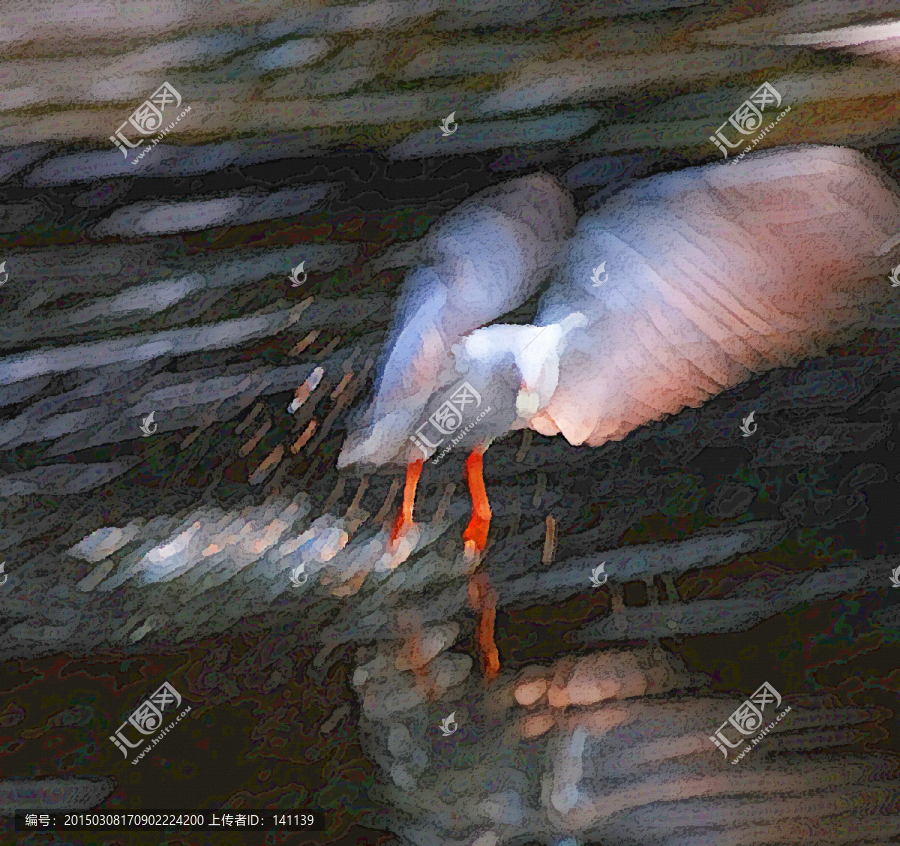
{"x": 527, "y": 402}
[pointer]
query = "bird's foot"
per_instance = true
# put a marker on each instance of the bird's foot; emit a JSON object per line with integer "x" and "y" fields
{"x": 400, "y": 543}
{"x": 403, "y": 523}
{"x": 475, "y": 538}
{"x": 401, "y": 528}
{"x": 471, "y": 555}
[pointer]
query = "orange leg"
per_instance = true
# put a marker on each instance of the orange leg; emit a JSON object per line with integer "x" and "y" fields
{"x": 482, "y": 596}
{"x": 475, "y": 535}
{"x": 404, "y": 520}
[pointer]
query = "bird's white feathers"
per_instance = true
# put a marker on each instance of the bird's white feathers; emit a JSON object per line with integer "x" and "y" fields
{"x": 481, "y": 261}
{"x": 716, "y": 273}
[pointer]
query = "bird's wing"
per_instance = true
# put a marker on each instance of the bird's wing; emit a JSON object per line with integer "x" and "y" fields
{"x": 715, "y": 273}
{"x": 481, "y": 261}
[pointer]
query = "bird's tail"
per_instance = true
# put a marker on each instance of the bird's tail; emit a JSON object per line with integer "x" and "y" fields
{"x": 379, "y": 441}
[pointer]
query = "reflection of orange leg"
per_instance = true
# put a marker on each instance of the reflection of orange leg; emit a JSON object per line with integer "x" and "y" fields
{"x": 482, "y": 597}
{"x": 419, "y": 667}
{"x": 404, "y": 520}
{"x": 484, "y": 600}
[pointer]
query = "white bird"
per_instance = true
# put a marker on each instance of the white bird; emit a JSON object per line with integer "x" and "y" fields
{"x": 725, "y": 272}
{"x": 895, "y": 578}
{"x": 482, "y": 260}
{"x": 4, "y": 274}
{"x": 296, "y": 579}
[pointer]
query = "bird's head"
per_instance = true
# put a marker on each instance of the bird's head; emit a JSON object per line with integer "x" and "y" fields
{"x": 495, "y": 381}
{"x": 516, "y": 368}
